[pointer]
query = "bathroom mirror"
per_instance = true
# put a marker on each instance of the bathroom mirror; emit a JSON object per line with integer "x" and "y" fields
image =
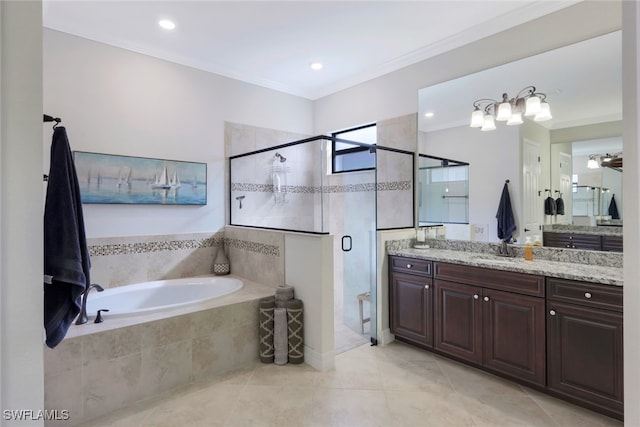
{"x": 443, "y": 191}
{"x": 582, "y": 85}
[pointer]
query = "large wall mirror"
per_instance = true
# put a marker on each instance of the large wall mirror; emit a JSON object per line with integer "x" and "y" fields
{"x": 555, "y": 158}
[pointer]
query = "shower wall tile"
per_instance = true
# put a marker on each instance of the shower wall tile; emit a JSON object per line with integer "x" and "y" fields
{"x": 399, "y": 132}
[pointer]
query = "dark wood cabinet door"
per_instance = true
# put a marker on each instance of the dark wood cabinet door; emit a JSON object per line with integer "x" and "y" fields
{"x": 458, "y": 320}
{"x": 514, "y": 335}
{"x": 585, "y": 361}
{"x": 612, "y": 243}
{"x": 411, "y": 310}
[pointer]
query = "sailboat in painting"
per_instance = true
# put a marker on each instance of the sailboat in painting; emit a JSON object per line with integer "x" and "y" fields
{"x": 175, "y": 181}
{"x": 162, "y": 182}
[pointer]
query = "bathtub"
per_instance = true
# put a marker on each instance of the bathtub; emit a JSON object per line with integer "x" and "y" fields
{"x": 160, "y": 295}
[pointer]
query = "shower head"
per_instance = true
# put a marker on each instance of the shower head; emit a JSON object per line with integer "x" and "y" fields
{"x": 281, "y": 157}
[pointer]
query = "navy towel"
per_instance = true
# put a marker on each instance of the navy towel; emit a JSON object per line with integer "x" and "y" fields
{"x": 560, "y": 206}
{"x": 66, "y": 257}
{"x": 550, "y": 207}
{"x": 506, "y": 222}
{"x": 613, "y": 208}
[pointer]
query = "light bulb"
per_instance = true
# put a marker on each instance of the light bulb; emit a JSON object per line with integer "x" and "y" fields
{"x": 592, "y": 164}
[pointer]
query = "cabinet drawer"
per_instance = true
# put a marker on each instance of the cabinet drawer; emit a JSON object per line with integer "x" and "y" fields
{"x": 584, "y": 293}
{"x": 411, "y": 265}
{"x": 527, "y": 284}
{"x": 572, "y": 240}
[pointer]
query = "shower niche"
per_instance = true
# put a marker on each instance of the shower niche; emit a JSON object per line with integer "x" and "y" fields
{"x": 282, "y": 187}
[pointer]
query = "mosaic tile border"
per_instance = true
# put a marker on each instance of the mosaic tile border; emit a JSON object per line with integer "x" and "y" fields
{"x": 175, "y": 245}
{"x": 304, "y": 189}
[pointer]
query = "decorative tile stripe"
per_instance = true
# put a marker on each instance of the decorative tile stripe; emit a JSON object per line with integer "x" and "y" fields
{"x": 261, "y": 248}
{"x": 268, "y": 188}
{"x": 174, "y": 245}
{"x": 394, "y": 186}
{"x": 305, "y": 189}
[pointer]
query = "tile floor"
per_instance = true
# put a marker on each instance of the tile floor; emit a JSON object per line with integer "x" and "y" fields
{"x": 395, "y": 385}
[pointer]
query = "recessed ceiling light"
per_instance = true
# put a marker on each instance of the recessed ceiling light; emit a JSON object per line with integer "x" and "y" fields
{"x": 315, "y": 66}
{"x": 428, "y": 114}
{"x": 166, "y": 24}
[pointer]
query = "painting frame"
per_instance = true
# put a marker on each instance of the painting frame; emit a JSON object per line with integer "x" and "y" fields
{"x": 131, "y": 180}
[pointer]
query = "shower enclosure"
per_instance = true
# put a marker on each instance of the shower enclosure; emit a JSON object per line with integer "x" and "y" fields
{"x": 281, "y": 187}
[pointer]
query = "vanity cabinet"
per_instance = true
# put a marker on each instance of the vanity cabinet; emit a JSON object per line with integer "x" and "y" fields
{"x": 612, "y": 243}
{"x": 573, "y": 241}
{"x": 411, "y": 300}
{"x": 584, "y": 342}
{"x": 491, "y": 318}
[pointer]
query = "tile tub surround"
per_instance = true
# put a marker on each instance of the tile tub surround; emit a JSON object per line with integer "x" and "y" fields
{"x": 103, "y": 367}
{"x": 123, "y": 260}
{"x": 589, "y": 266}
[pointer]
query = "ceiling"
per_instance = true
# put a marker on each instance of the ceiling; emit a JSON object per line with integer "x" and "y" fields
{"x": 583, "y": 84}
{"x": 272, "y": 43}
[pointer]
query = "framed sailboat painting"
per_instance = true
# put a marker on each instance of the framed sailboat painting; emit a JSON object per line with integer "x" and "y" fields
{"x": 115, "y": 179}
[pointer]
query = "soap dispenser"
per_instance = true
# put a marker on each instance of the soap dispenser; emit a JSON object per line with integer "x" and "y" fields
{"x": 528, "y": 249}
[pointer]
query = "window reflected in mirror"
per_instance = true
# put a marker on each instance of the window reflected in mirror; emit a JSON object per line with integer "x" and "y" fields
{"x": 443, "y": 191}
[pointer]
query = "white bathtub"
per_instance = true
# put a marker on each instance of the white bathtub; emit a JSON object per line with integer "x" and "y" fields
{"x": 149, "y": 297}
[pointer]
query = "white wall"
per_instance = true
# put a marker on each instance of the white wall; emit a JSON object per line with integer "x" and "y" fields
{"x": 396, "y": 94}
{"x": 21, "y": 226}
{"x": 631, "y": 185}
{"x": 119, "y": 102}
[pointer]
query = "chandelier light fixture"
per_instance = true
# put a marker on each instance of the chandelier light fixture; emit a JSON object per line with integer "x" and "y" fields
{"x": 527, "y": 103}
{"x": 613, "y": 161}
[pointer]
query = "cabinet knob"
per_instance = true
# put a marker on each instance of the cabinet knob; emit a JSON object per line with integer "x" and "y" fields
{"x": 426, "y": 286}
{"x": 552, "y": 312}
{"x": 587, "y": 295}
{"x": 409, "y": 265}
{"x": 486, "y": 298}
{"x": 476, "y": 296}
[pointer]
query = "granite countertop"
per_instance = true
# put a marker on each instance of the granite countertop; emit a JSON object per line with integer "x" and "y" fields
{"x": 564, "y": 270}
{"x": 598, "y": 231}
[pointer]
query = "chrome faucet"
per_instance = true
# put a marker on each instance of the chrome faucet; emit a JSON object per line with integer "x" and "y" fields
{"x": 82, "y": 317}
{"x": 504, "y": 250}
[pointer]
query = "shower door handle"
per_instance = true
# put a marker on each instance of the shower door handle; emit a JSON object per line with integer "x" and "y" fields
{"x": 346, "y": 239}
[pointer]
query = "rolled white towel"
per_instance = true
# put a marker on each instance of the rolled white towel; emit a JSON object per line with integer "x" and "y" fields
{"x": 280, "y": 336}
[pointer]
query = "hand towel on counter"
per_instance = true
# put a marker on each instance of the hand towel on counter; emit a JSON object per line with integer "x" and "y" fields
{"x": 506, "y": 221}
{"x": 66, "y": 256}
{"x": 613, "y": 208}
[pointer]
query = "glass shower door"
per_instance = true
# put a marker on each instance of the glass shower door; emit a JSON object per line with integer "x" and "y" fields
{"x": 358, "y": 244}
